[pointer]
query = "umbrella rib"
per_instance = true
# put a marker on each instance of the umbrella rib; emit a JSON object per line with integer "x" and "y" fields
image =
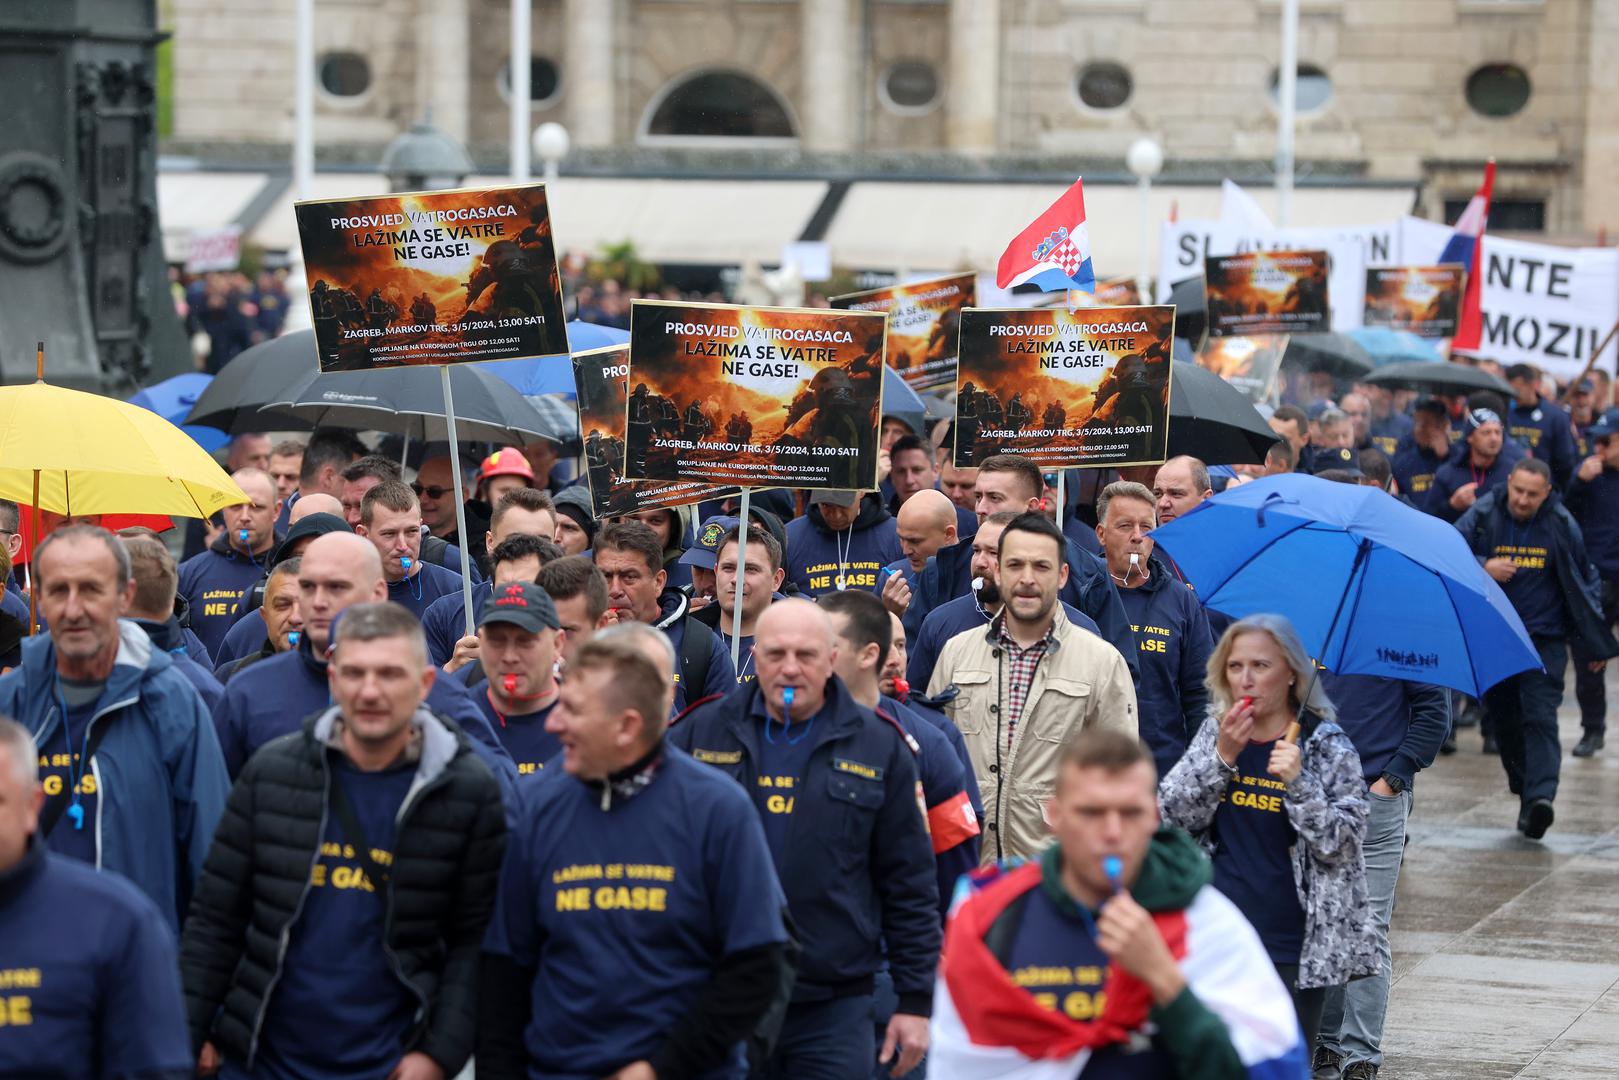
{"x": 1235, "y": 570}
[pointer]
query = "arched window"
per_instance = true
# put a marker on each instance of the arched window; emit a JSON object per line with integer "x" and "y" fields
{"x": 721, "y": 104}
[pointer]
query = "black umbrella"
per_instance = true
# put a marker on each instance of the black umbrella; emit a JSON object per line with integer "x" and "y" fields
{"x": 1437, "y": 378}
{"x": 1191, "y": 308}
{"x": 410, "y": 401}
{"x": 256, "y": 377}
{"x": 1213, "y": 421}
{"x": 1339, "y": 355}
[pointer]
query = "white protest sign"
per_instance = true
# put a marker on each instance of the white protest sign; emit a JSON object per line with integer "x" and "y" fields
{"x": 1543, "y": 305}
{"x": 214, "y": 249}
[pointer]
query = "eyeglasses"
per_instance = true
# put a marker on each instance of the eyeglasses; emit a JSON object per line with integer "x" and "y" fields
{"x": 433, "y": 492}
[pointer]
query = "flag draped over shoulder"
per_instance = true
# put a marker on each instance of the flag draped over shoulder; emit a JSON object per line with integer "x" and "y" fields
{"x": 1466, "y": 246}
{"x": 986, "y": 1027}
{"x": 1054, "y": 251}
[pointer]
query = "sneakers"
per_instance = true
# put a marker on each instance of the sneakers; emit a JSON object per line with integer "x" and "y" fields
{"x": 1536, "y": 818}
{"x": 1361, "y": 1070}
{"x": 1589, "y": 744}
{"x": 1326, "y": 1065}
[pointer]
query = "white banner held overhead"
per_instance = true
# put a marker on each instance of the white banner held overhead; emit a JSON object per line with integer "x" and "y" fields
{"x": 1542, "y": 304}
{"x": 214, "y": 249}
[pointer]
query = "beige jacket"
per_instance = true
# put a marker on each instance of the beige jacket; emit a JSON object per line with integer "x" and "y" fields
{"x": 1081, "y": 682}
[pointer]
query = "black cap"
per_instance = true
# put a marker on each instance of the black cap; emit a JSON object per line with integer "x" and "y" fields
{"x": 1339, "y": 458}
{"x": 309, "y": 526}
{"x": 523, "y": 604}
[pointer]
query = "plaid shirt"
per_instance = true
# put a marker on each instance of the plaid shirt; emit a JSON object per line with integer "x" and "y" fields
{"x": 1020, "y": 667}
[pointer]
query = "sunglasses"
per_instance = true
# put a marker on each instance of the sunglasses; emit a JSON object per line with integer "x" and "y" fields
{"x": 432, "y": 492}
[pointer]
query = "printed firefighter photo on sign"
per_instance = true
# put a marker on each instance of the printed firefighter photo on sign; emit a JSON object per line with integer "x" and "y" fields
{"x": 754, "y": 396}
{"x": 1424, "y": 300}
{"x": 924, "y": 325}
{"x": 438, "y": 277}
{"x": 1251, "y": 364}
{"x": 601, "y": 378}
{"x": 1267, "y": 292}
{"x": 1064, "y": 387}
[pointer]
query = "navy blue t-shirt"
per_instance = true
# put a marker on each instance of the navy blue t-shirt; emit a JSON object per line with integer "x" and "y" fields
{"x": 1533, "y": 590}
{"x": 339, "y": 1010}
{"x": 783, "y": 754}
{"x": 214, "y": 583}
{"x": 745, "y": 672}
{"x": 1056, "y": 959}
{"x": 62, "y": 775}
{"x": 622, "y": 914}
{"x": 423, "y": 587}
{"x": 1252, "y": 864}
{"x": 522, "y": 734}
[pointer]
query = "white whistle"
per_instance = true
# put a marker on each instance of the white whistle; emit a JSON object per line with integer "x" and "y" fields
{"x": 978, "y": 584}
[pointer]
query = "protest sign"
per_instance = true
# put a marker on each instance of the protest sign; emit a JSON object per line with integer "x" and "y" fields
{"x": 1251, "y": 364}
{"x": 1424, "y": 300}
{"x": 214, "y": 249}
{"x": 435, "y": 277}
{"x": 1267, "y": 292}
{"x": 601, "y": 377}
{"x": 754, "y": 396}
{"x": 924, "y": 325}
{"x": 1114, "y": 292}
{"x": 1543, "y": 305}
{"x": 1064, "y": 387}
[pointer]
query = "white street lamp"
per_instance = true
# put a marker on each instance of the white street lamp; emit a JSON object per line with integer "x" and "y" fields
{"x": 551, "y": 143}
{"x": 1145, "y": 160}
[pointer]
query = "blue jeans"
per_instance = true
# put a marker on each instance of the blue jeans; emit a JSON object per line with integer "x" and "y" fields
{"x": 825, "y": 1040}
{"x": 1352, "y": 1022}
{"x": 1524, "y": 709}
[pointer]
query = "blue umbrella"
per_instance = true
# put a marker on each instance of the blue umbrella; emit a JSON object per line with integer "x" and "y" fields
{"x": 903, "y": 403}
{"x": 1373, "y": 586}
{"x": 173, "y": 398}
{"x": 554, "y": 374}
{"x": 1395, "y": 346}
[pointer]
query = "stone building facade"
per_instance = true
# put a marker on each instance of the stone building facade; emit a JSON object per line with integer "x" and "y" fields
{"x": 1419, "y": 91}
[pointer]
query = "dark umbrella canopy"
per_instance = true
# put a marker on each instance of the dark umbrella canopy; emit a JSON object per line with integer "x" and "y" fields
{"x": 1440, "y": 378}
{"x": 1191, "y": 308}
{"x": 410, "y": 401}
{"x": 256, "y": 377}
{"x": 1339, "y": 355}
{"x": 903, "y": 403}
{"x": 1213, "y": 421}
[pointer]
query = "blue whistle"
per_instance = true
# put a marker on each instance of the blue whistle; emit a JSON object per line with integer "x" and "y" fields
{"x": 75, "y": 814}
{"x": 1113, "y": 867}
{"x": 241, "y": 534}
{"x": 293, "y": 636}
{"x": 787, "y": 700}
{"x": 404, "y": 563}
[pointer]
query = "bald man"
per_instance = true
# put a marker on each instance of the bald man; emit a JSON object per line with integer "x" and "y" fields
{"x": 927, "y": 522}
{"x": 1180, "y": 487}
{"x": 832, "y": 776}
{"x": 318, "y": 503}
{"x": 214, "y": 581}
{"x": 274, "y": 696}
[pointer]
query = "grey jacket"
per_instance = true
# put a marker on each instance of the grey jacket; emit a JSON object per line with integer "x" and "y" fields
{"x": 1326, "y": 804}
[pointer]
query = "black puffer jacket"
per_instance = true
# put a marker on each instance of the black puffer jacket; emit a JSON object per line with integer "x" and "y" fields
{"x": 441, "y": 891}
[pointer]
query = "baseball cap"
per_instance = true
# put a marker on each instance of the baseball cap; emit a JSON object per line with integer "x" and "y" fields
{"x": 835, "y": 497}
{"x": 1605, "y": 427}
{"x": 705, "y": 550}
{"x": 522, "y": 604}
{"x": 507, "y": 462}
{"x": 1585, "y": 386}
{"x": 1339, "y": 458}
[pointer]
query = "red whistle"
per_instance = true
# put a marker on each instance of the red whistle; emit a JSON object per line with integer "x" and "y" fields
{"x": 510, "y": 683}
{"x": 1245, "y": 702}
{"x": 901, "y": 688}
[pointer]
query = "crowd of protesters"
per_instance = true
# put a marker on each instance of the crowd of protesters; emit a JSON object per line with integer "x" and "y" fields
{"x": 646, "y": 811}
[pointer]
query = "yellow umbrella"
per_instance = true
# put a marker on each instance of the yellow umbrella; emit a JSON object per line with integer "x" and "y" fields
{"x": 76, "y": 453}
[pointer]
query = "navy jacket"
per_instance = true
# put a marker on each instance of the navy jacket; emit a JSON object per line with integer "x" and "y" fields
{"x": 948, "y": 575}
{"x": 1172, "y": 693}
{"x": 271, "y": 698}
{"x": 950, "y": 619}
{"x": 106, "y": 1002}
{"x": 1396, "y": 726}
{"x": 445, "y": 623}
{"x": 947, "y": 792}
{"x": 1595, "y": 506}
{"x": 1413, "y": 467}
{"x": 246, "y": 637}
{"x": 167, "y": 636}
{"x": 1457, "y": 472}
{"x": 213, "y": 583}
{"x": 816, "y": 556}
{"x": 859, "y": 870}
{"x": 1487, "y": 519}
{"x": 676, "y": 621}
{"x": 1546, "y": 432}
{"x": 1387, "y": 434}
{"x": 160, "y": 777}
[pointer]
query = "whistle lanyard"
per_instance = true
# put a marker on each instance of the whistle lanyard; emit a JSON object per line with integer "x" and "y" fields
{"x": 843, "y": 544}
{"x": 75, "y": 771}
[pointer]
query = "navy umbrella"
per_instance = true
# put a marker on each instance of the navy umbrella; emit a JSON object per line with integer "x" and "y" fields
{"x": 1373, "y": 586}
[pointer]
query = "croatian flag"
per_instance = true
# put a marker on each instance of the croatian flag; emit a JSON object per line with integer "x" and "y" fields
{"x": 1054, "y": 251}
{"x": 1466, "y": 246}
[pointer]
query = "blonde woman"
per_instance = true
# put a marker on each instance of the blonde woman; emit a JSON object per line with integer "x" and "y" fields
{"x": 1283, "y": 819}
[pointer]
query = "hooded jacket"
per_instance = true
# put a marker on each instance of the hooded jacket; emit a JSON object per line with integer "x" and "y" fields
{"x": 437, "y": 900}
{"x": 1080, "y": 683}
{"x": 166, "y": 636}
{"x": 1172, "y": 633}
{"x": 679, "y": 576}
{"x": 948, "y": 575}
{"x": 214, "y": 584}
{"x": 1544, "y": 431}
{"x": 718, "y": 676}
{"x": 160, "y": 778}
{"x": 1577, "y": 579}
{"x": 816, "y": 556}
{"x": 1327, "y": 806}
{"x": 1457, "y": 472}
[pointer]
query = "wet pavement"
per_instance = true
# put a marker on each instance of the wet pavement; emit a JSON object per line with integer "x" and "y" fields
{"x": 1506, "y": 950}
